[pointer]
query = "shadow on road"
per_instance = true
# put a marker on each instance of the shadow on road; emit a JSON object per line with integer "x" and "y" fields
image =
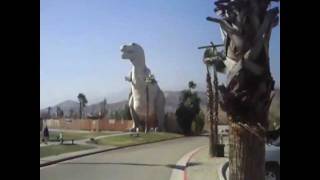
{"x": 173, "y": 166}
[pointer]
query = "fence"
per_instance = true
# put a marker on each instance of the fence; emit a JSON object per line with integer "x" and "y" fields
{"x": 90, "y": 125}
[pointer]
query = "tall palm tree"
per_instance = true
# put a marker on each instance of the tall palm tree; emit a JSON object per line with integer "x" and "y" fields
{"x": 82, "y": 103}
{"x": 247, "y": 26}
{"x": 212, "y": 58}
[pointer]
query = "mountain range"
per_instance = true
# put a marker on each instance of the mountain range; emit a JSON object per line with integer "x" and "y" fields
{"x": 172, "y": 102}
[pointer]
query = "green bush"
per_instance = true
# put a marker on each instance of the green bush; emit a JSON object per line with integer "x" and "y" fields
{"x": 188, "y": 109}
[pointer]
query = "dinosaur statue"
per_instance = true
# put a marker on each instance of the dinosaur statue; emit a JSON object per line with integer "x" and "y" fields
{"x": 137, "y": 97}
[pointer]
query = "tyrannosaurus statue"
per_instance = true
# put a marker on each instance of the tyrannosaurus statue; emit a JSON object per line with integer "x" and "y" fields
{"x": 137, "y": 97}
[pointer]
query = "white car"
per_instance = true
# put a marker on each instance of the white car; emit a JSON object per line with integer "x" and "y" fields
{"x": 272, "y": 161}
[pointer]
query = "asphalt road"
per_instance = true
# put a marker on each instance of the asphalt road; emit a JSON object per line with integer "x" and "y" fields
{"x": 145, "y": 162}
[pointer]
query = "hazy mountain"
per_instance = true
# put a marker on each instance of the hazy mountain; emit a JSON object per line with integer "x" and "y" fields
{"x": 172, "y": 102}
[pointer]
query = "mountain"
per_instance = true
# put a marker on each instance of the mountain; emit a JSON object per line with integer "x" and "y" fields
{"x": 172, "y": 103}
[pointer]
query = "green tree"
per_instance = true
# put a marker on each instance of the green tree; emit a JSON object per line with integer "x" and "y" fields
{"x": 82, "y": 103}
{"x": 198, "y": 123}
{"x": 117, "y": 115}
{"x": 189, "y": 107}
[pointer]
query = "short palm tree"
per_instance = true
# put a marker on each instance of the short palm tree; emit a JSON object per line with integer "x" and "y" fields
{"x": 192, "y": 85}
{"x": 82, "y": 103}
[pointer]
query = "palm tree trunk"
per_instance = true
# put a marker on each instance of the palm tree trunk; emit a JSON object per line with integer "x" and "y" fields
{"x": 80, "y": 110}
{"x": 212, "y": 142}
{"x": 246, "y": 153}
{"x": 248, "y": 112}
{"x": 246, "y": 98}
{"x": 216, "y": 104}
{"x": 147, "y": 112}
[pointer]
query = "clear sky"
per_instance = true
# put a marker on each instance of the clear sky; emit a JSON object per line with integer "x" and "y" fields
{"x": 80, "y": 45}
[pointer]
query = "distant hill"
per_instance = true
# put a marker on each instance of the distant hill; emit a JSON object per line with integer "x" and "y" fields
{"x": 172, "y": 102}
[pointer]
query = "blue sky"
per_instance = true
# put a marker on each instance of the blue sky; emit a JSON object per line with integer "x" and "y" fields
{"x": 80, "y": 45}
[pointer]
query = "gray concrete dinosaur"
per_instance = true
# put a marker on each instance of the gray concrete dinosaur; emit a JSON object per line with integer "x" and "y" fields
{"x": 137, "y": 97}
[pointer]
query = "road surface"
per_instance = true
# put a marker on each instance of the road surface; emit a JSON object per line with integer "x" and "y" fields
{"x": 145, "y": 162}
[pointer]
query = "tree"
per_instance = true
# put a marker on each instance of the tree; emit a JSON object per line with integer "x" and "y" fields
{"x": 192, "y": 85}
{"x": 198, "y": 123}
{"x": 104, "y": 110}
{"x": 59, "y": 112}
{"x": 82, "y": 103}
{"x": 247, "y": 26}
{"x": 189, "y": 107}
{"x": 117, "y": 115}
{"x": 49, "y": 112}
{"x": 213, "y": 58}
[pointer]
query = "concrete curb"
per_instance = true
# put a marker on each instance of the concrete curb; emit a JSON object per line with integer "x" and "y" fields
{"x": 222, "y": 171}
{"x": 181, "y": 174}
{"x": 99, "y": 151}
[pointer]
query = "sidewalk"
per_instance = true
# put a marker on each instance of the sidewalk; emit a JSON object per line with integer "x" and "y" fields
{"x": 207, "y": 168}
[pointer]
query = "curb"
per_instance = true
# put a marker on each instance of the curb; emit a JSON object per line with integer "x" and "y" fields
{"x": 100, "y": 151}
{"x": 181, "y": 174}
{"x": 222, "y": 171}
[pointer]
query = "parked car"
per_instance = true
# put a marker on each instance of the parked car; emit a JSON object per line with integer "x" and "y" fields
{"x": 273, "y": 160}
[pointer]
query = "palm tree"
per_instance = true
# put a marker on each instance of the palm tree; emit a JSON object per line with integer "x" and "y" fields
{"x": 49, "y": 112}
{"x": 247, "y": 95}
{"x": 192, "y": 85}
{"x": 82, "y": 103}
{"x": 103, "y": 108}
{"x": 150, "y": 79}
{"x": 212, "y": 58}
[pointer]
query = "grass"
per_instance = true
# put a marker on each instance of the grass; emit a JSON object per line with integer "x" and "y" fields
{"x": 60, "y": 149}
{"x": 75, "y": 135}
{"x": 126, "y": 140}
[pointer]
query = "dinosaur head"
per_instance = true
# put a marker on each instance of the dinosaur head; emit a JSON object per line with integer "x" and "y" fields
{"x": 134, "y": 52}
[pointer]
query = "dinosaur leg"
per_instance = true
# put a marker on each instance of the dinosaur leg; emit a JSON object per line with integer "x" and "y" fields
{"x": 135, "y": 118}
{"x": 159, "y": 109}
